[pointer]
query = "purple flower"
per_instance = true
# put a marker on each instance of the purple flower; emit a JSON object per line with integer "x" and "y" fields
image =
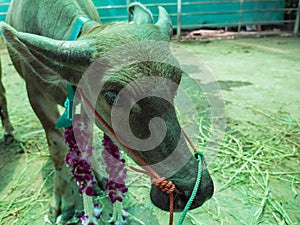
{"x": 119, "y": 216}
{"x": 77, "y": 138}
{"x": 85, "y": 220}
{"x": 78, "y": 158}
{"x": 115, "y": 168}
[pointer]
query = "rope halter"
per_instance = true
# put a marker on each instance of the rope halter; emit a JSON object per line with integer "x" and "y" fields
{"x": 161, "y": 182}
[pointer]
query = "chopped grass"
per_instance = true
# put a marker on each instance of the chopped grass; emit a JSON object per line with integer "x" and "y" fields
{"x": 256, "y": 170}
{"x": 256, "y": 161}
{"x": 253, "y": 166}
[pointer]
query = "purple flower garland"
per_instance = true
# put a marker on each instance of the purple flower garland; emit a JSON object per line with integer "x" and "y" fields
{"x": 115, "y": 168}
{"x": 78, "y": 158}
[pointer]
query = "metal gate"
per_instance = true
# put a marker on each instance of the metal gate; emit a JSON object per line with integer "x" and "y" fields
{"x": 206, "y": 14}
{"x": 215, "y": 14}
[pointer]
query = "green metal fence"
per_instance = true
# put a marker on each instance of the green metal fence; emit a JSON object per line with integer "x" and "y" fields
{"x": 193, "y": 14}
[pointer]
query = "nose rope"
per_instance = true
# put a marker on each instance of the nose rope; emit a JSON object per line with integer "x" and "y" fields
{"x": 165, "y": 186}
{"x": 161, "y": 182}
{"x": 194, "y": 192}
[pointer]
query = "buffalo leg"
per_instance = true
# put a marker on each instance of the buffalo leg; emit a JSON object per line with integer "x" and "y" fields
{"x": 8, "y": 128}
{"x": 63, "y": 198}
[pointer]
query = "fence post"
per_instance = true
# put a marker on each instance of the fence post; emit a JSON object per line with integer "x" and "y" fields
{"x": 296, "y": 26}
{"x": 179, "y": 11}
{"x": 127, "y": 5}
{"x": 240, "y": 15}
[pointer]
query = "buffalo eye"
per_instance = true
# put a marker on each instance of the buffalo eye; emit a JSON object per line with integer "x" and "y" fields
{"x": 110, "y": 96}
{"x": 117, "y": 99}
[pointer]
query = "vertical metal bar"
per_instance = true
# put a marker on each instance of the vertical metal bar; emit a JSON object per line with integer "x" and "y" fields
{"x": 179, "y": 21}
{"x": 241, "y": 15}
{"x": 296, "y": 26}
{"x": 127, "y": 5}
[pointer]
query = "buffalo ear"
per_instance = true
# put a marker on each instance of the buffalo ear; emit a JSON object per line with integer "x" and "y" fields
{"x": 164, "y": 22}
{"x": 64, "y": 58}
{"x": 141, "y": 15}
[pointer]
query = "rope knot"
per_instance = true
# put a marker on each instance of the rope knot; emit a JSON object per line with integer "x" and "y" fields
{"x": 164, "y": 184}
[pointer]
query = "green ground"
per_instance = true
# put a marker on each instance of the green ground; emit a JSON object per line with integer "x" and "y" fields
{"x": 256, "y": 169}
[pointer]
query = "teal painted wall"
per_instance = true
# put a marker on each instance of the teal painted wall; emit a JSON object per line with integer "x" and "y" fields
{"x": 3, "y": 9}
{"x": 193, "y": 16}
{"x": 227, "y": 13}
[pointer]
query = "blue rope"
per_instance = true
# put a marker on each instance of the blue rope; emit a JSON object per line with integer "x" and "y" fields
{"x": 65, "y": 120}
{"x": 199, "y": 157}
{"x": 77, "y": 27}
